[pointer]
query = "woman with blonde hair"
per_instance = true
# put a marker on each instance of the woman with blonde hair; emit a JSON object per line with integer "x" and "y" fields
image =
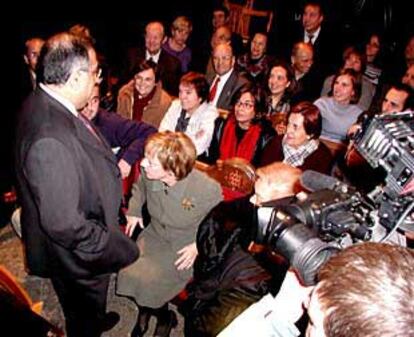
{"x": 178, "y": 197}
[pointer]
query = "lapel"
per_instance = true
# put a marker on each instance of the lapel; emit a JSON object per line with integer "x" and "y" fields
{"x": 225, "y": 96}
{"x": 80, "y": 130}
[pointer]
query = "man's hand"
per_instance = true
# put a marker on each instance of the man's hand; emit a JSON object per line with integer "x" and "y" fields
{"x": 125, "y": 168}
{"x": 132, "y": 222}
{"x": 187, "y": 257}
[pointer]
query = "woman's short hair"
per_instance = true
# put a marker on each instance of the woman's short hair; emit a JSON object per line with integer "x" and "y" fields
{"x": 356, "y": 80}
{"x": 199, "y": 82}
{"x": 175, "y": 151}
{"x": 312, "y": 119}
{"x": 142, "y": 65}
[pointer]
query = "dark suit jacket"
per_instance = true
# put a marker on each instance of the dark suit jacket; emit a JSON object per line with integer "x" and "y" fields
{"x": 327, "y": 49}
{"x": 234, "y": 83}
{"x": 169, "y": 69}
{"x": 121, "y": 132}
{"x": 70, "y": 191}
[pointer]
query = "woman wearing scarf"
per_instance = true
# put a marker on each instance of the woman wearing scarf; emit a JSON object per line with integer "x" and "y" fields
{"x": 241, "y": 135}
{"x": 300, "y": 146}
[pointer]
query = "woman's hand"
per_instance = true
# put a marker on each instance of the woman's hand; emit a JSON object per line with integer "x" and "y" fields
{"x": 132, "y": 222}
{"x": 187, "y": 256}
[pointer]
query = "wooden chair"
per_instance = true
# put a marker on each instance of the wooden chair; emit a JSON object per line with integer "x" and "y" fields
{"x": 241, "y": 17}
{"x": 235, "y": 175}
{"x": 21, "y": 305}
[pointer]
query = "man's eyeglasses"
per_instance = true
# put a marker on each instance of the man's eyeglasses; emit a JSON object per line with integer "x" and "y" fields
{"x": 246, "y": 105}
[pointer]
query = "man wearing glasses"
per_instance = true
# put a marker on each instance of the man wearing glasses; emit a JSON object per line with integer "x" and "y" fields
{"x": 69, "y": 188}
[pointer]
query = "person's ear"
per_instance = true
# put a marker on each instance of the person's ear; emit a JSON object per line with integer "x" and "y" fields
{"x": 26, "y": 59}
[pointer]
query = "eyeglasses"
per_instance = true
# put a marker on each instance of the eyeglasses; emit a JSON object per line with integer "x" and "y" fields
{"x": 246, "y": 105}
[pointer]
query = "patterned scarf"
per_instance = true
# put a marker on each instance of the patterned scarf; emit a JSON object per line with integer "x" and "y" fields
{"x": 246, "y": 148}
{"x": 296, "y": 157}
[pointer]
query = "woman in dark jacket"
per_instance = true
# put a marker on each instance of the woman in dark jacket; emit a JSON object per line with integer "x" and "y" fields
{"x": 300, "y": 146}
{"x": 241, "y": 134}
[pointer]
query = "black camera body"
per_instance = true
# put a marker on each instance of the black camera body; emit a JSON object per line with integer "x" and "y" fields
{"x": 335, "y": 215}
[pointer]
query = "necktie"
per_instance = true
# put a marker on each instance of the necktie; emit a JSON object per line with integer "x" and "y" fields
{"x": 310, "y": 37}
{"x": 88, "y": 125}
{"x": 182, "y": 122}
{"x": 213, "y": 89}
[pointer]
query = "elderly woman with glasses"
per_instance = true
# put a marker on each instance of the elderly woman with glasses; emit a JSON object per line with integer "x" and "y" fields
{"x": 300, "y": 145}
{"x": 178, "y": 197}
{"x": 242, "y": 134}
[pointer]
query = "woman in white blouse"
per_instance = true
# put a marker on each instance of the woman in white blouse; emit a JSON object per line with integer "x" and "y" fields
{"x": 191, "y": 113}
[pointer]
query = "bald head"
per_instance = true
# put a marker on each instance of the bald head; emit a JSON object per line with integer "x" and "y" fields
{"x": 302, "y": 58}
{"x": 276, "y": 181}
{"x": 223, "y": 59}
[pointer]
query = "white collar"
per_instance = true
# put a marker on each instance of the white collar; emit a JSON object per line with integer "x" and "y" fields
{"x": 155, "y": 57}
{"x": 62, "y": 100}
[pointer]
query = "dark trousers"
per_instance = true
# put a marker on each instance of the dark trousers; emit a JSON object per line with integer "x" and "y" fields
{"x": 83, "y": 303}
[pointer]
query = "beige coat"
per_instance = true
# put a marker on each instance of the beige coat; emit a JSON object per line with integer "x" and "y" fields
{"x": 153, "y": 112}
{"x": 176, "y": 213}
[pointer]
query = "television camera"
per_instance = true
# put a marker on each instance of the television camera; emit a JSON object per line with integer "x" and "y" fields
{"x": 336, "y": 215}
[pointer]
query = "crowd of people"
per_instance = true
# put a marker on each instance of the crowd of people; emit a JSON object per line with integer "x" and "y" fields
{"x": 284, "y": 113}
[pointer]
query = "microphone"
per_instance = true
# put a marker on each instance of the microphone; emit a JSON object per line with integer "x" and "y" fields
{"x": 315, "y": 181}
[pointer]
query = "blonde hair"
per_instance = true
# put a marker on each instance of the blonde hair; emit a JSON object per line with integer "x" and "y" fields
{"x": 182, "y": 22}
{"x": 175, "y": 151}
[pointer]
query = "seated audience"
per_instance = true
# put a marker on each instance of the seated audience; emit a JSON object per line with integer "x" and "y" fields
{"x": 227, "y": 278}
{"x": 300, "y": 146}
{"x": 143, "y": 98}
{"x": 191, "y": 113}
{"x": 354, "y": 59}
{"x": 178, "y": 197}
{"x": 169, "y": 67}
{"x": 365, "y": 290}
{"x": 242, "y": 134}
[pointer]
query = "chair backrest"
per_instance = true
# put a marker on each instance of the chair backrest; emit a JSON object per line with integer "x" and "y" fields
{"x": 235, "y": 174}
{"x": 241, "y": 17}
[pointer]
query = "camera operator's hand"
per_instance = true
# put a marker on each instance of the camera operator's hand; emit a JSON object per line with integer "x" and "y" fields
{"x": 292, "y": 298}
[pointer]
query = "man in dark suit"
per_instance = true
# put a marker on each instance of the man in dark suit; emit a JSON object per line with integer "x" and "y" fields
{"x": 226, "y": 81}
{"x": 327, "y": 51}
{"x": 69, "y": 188}
{"x": 168, "y": 66}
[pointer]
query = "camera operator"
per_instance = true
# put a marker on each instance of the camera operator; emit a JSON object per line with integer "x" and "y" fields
{"x": 355, "y": 168}
{"x": 227, "y": 278}
{"x": 364, "y": 290}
